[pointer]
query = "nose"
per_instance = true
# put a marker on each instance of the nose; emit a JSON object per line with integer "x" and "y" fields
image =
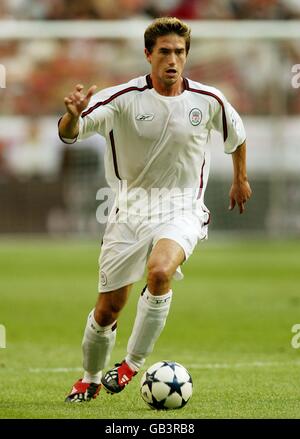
{"x": 172, "y": 59}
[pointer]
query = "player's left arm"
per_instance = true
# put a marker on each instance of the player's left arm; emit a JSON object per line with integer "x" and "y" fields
{"x": 228, "y": 122}
{"x": 240, "y": 191}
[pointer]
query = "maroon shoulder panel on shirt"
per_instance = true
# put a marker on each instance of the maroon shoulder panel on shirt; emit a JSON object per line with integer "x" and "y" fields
{"x": 115, "y": 95}
{"x": 208, "y": 93}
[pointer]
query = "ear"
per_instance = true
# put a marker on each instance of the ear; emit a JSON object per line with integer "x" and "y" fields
{"x": 147, "y": 55}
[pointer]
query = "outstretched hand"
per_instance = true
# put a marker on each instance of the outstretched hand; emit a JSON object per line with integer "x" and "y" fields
{"x": 239, "y": 194}
{"x": 77, "y": 101}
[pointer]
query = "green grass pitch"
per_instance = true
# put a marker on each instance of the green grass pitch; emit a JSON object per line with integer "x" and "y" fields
{"x": 230, "y": 325}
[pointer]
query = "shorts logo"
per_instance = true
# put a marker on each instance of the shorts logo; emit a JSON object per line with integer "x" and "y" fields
{"x": 103, "y": 278}
{"x": 195, "y": 116}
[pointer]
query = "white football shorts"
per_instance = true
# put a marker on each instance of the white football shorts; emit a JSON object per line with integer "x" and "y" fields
{"x": 126, "y": 246}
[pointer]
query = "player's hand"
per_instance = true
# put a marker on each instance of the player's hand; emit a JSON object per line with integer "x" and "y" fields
{"x": 239, "y": 194}
{"x": 77, "y": 101}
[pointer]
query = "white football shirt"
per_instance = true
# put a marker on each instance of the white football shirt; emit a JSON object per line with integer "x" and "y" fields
{"x": 156, "y": 141}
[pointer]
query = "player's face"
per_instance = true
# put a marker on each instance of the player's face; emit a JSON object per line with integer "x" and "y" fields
{"x": 167, "y": 59}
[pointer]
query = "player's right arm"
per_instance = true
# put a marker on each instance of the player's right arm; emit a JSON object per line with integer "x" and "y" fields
{"x": 75, "y": 103}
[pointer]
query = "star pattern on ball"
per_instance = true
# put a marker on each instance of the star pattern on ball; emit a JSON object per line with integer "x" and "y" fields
{"x": 163, "y": 386}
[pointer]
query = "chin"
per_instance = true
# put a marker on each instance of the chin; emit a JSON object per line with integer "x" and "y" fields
{"x": 171, "y": 81}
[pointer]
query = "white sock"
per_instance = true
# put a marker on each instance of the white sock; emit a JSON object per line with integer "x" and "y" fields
{"x": 152, "y": 312}
{"x": 92, "y": 378}
{"x": 97, "y": 344}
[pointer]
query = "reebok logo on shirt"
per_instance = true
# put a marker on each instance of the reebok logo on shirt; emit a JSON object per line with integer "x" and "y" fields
{"x": 145, "y": 117}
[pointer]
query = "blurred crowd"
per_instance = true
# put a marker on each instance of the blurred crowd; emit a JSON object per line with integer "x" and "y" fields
{"x": 120, "y": 9}
{"x": 254, "y": 75}
{"x": 39, "y": 73}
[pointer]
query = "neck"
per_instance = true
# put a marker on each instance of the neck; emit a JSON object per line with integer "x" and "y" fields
{"x": 168, "y": 90}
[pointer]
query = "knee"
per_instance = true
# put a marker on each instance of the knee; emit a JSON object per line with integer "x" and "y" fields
{"x": 159, "y": 275}
{"x": 104, "y": 318}
{"x": 109, "y": 305}
{"x": 106, "y": 315}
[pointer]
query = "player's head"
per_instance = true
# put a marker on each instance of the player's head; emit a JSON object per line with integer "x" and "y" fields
{"x": 167, "y": 42}
{"x": 165, "y": 26}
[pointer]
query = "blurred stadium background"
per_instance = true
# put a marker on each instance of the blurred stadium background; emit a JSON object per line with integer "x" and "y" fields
{"x": 241, "y": 359}
{"x": 49, "y": 188}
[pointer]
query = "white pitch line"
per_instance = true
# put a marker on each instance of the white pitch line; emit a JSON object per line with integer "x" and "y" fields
{"x": 243, "y": 365}
{"x": 55, "y": 369}
{"x": 188, "y": 366}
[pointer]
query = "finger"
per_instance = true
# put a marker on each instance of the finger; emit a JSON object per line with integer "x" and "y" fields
{"x": 69, "y": 100}
{"x": 71, "y": 97}
{"x": 242, "y": 207}
{"x": 76, "y": 98}
{"x": 232, "y": 204}
{"x": 79, "y": 87}
{"x": 91, "y": 91}
{"x": 79, "y": 96}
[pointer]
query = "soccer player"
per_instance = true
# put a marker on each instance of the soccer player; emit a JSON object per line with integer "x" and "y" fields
{"x": 157, "y": 129}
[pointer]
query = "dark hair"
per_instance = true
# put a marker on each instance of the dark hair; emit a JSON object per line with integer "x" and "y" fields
{"x": 165, "y": 26}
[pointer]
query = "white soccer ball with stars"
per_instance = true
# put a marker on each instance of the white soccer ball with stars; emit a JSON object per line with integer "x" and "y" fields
{"x": 166, "y": 385}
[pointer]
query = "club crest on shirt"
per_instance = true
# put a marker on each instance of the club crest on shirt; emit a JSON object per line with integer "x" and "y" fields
{"x": 195, "y": 116}
{"x": 145, "y": 117}
{"x": 103, "y": 278}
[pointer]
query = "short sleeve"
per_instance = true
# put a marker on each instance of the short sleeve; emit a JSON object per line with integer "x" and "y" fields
{"x": 227, "y": 121}
{"x": 98, "y": 118}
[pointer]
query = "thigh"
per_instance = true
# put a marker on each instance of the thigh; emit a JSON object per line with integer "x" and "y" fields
{"x": 168, "y": 254}
{"x": 185, "y": 231}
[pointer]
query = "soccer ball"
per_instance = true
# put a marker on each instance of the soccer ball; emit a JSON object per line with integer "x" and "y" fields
{"x": 166, "y": 385}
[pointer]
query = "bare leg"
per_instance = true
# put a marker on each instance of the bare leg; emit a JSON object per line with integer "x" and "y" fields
{"x": 153, "y": 306}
